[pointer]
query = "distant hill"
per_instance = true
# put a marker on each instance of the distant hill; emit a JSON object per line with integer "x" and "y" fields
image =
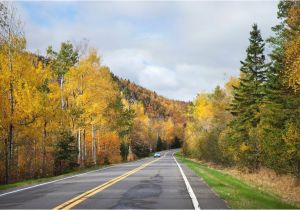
{"x": 156, "y": 106}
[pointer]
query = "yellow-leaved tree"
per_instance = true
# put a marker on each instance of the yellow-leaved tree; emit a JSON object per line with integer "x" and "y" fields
{"x": 292, "y": 46}
{"x": 89, "y": 89}
{"x": 139, "y": 136}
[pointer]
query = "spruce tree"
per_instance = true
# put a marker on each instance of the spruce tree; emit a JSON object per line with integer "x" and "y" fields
{"x": 249, "y": 94}
{"x": 247, "y": 98}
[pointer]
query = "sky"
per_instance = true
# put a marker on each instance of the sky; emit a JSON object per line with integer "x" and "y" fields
{"x": 176, "y": 48}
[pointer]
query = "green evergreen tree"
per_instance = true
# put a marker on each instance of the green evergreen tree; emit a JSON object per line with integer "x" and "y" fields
{"x": 249, "y": 94}
{"x": 247, "y": 98}
{"x": 65, "y": 152}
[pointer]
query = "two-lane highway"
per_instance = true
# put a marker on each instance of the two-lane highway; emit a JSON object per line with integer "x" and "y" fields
{"x": 147, "y": 183}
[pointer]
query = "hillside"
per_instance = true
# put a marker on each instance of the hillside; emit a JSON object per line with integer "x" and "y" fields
{"x": 156, "y": 106}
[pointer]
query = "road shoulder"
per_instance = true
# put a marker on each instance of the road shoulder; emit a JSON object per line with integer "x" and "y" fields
{"x": 206, "y": 197}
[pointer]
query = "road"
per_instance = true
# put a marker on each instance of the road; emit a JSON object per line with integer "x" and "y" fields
{"x": 144, "y": 184}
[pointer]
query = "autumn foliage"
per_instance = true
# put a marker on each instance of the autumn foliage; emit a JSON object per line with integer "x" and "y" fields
{"x": 254, "y": 121}
{"x": 66, "y": 110}
{"x": 109, "y": 149}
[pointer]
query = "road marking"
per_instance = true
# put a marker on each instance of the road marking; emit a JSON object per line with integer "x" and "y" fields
{"x": 82, "y": 197}
{"x": 58, "y": 180}
{"x": 188, "y": 187}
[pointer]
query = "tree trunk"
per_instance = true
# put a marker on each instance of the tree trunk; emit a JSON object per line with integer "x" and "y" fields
{"x": 94, "y": 146}
{"x": 11, "y": 101}
{"x": 98, "y": 149}
{"x": 61, "y": 89}
{"x": 6, "y": 162}
{"x": 79, "y": 146}
{"x": 84, "y": 147}
{"x": 44, "y": 149}
{"x": 11, "y": 141}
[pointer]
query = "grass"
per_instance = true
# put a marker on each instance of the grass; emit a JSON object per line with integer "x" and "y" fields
{"x": 151, "y": 154}
{"x": 236, "y": 193}
{"x": 46, "y": 179}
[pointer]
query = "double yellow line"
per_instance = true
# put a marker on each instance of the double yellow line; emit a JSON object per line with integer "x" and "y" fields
{"x": 82, "y": 197}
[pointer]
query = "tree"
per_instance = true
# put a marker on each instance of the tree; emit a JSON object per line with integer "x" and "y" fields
{"x": 159, "y": 144}
{"x": 140, "y": 148}
{"x": 207, "y": 119}
{"x": 292, "y": 45}
{"x": 61, "y": 62}
{"x": 12, "y": 42}
{"x": 65, "y": 152}
{"x": 119, "y": 116}
{"x": 124, "y": 150}
{"x": 292, "y": 72}
{"x": 279, "y": 108}
{"x": 139, "y": 137}
{"x": 176, "y": 143}
{"x": 109, "y": 148}
{"x": 249, "y": 93}
{"x": 90, "y": 90}
{"x": 247, "y": 98}
{"x": 167, "y": 133}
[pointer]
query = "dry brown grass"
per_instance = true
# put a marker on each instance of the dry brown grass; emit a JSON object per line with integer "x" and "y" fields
{"x": 284, "y": 186}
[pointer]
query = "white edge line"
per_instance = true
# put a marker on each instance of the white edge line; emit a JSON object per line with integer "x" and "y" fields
{"x": 68, "y": 177}
{"x": 188, "y": 186}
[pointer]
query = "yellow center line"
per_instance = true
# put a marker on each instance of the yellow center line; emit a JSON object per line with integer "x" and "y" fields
{"x": 80, "y": 198}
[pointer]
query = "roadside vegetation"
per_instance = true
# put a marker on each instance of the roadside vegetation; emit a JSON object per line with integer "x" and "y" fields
{"x": 70, "y": 172}
{"x": 66, "y": 173}
{"x": 237, "y": 193}
{"x": 253, "y": 122}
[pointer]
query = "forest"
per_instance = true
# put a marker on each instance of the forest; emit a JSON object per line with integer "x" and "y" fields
{"x": 254, "y": 121}
{"x": 66, "y": 110}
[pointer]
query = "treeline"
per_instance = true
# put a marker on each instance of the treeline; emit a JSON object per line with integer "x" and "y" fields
{"x": 66, "y": 110}
{"x": 255, "y": 120}
{"x": 155, "y": 105}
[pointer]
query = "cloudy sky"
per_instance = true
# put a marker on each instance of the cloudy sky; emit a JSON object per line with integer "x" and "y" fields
{"x": 176, "y": 48}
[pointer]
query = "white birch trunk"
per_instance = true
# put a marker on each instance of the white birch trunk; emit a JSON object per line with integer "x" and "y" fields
{"x": 94, "y": 145}
{"x": 61, "y": 89}
{"x": 79, "y": 147}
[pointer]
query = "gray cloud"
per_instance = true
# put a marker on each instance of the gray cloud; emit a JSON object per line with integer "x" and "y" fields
{"x": 174, "y": 48}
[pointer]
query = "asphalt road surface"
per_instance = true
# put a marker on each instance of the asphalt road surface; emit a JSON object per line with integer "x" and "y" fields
{"x": 149, "y": 183}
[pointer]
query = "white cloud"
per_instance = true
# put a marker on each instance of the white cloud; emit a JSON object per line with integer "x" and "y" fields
{"x": 174, "y": 48}
{"x": 127, "y": 63}
{"x": 158, "y": 78}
